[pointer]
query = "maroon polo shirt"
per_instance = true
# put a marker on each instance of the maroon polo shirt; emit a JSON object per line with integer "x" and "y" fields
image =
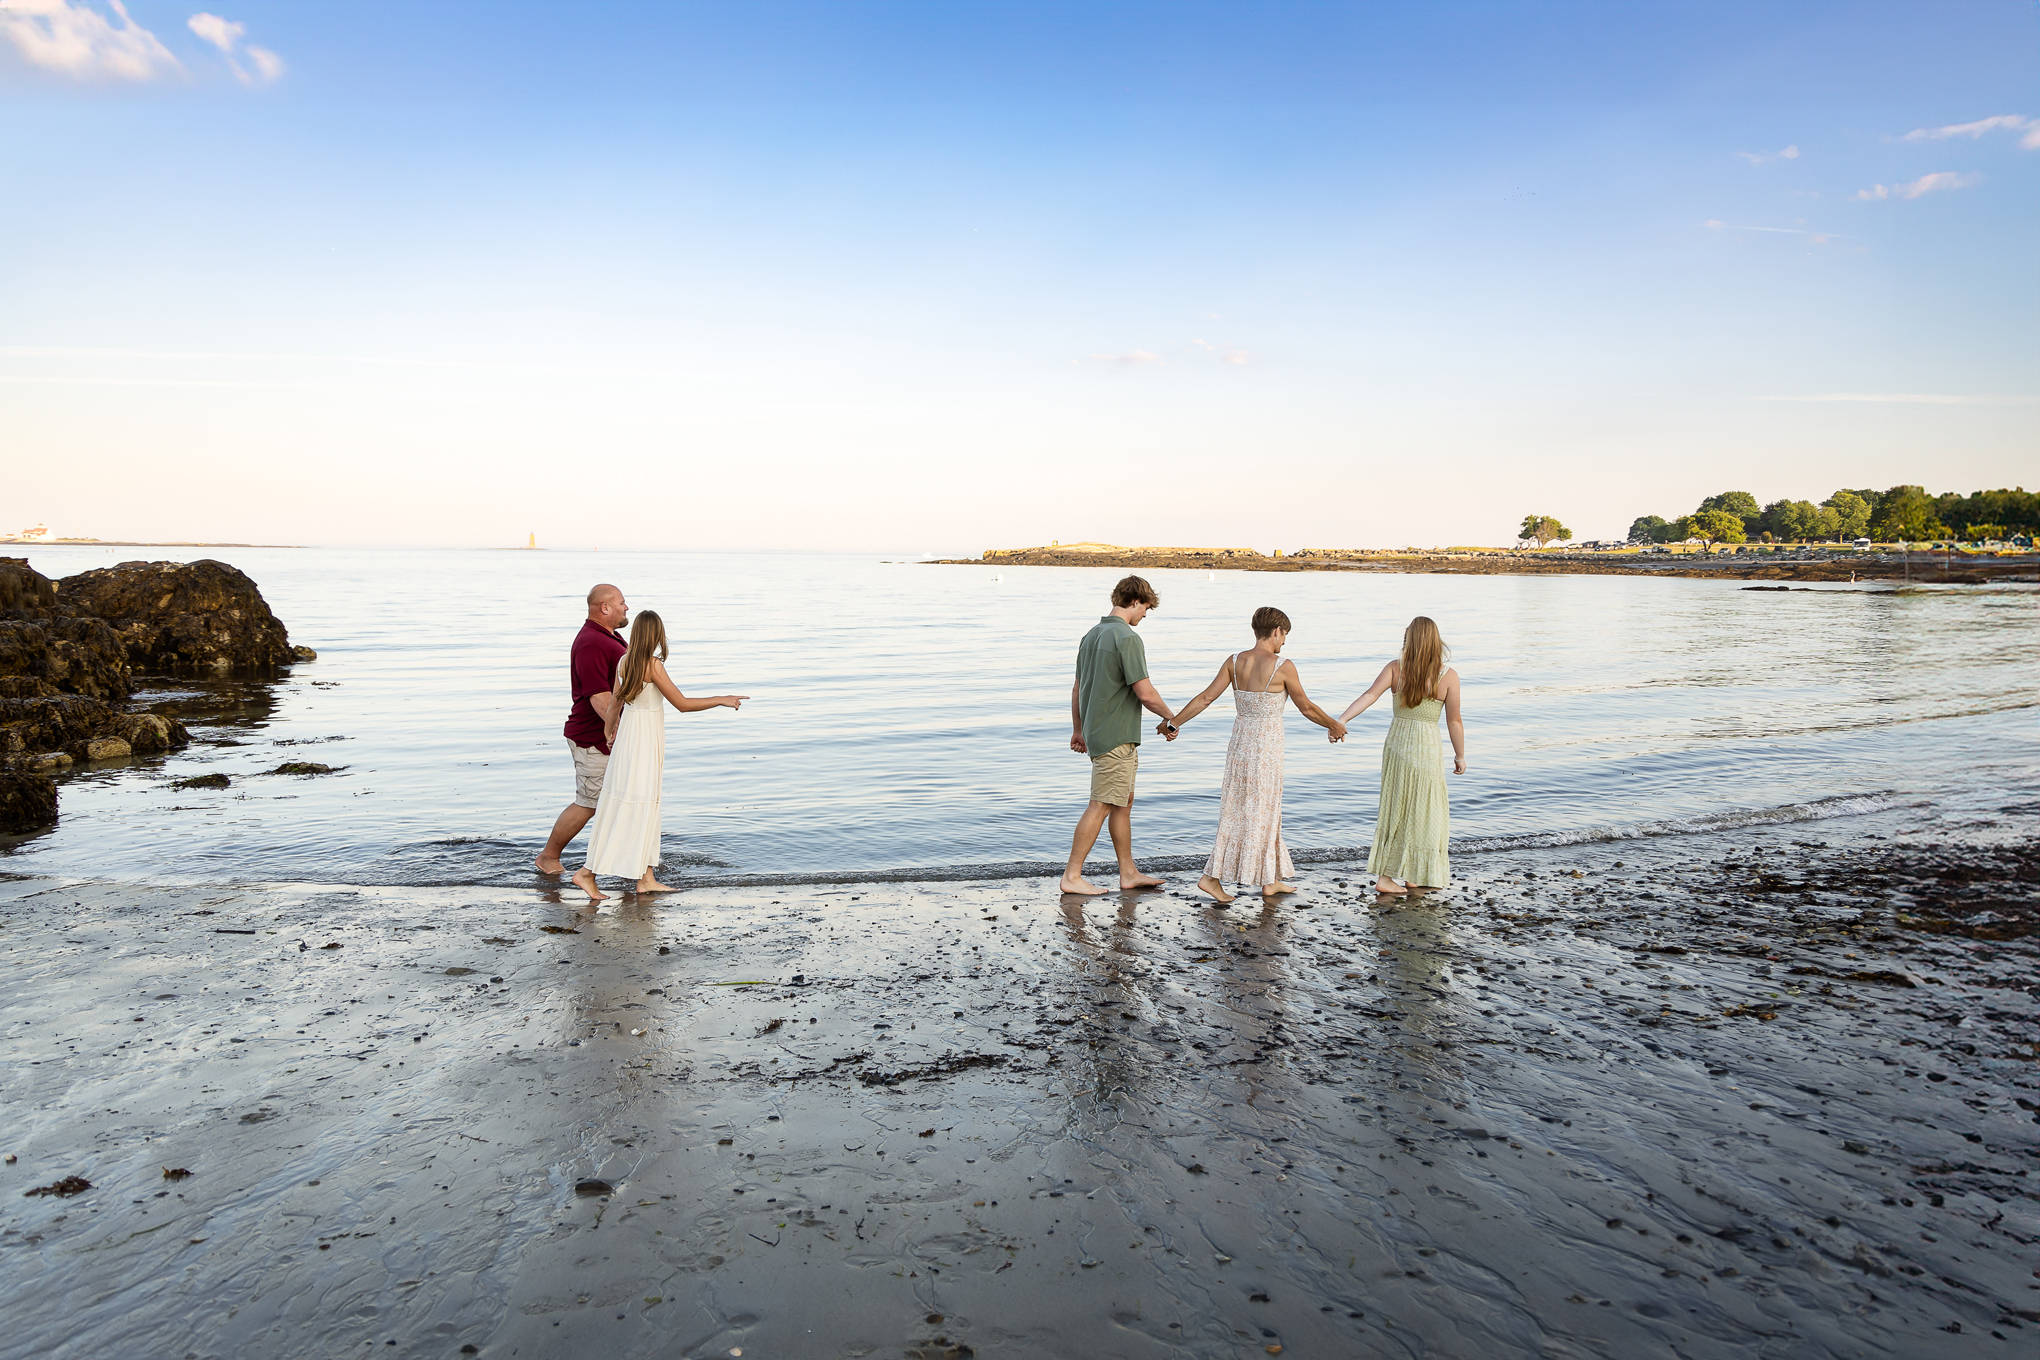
{"x": 592, "y": 671}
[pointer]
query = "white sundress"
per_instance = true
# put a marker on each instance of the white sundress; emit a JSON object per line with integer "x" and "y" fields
{"x": 1248, "y": 847}
{"x": 625, "y": 839}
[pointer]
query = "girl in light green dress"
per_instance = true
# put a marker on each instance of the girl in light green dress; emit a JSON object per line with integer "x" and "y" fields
{"x": 1413, "y": 830}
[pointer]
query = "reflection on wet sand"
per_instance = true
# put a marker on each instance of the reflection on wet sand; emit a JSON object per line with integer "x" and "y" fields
{"x": 910, "y": 1119}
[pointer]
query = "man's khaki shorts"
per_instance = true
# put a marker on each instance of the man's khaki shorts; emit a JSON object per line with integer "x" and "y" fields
{"x": 589, "y": 767}
{"x": 1112, "y": 775}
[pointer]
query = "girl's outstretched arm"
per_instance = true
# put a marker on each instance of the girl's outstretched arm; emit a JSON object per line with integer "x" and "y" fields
{"x": 1383, "y": 683}
{"x": 1452, "y": 723}
{"x": 680, "y": 701}
{"x": 1220, "y": 683}
{"x": 1292, "y": 680}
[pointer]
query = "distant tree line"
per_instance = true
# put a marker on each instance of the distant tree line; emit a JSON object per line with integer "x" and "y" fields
{"x": 1902, "y": 514}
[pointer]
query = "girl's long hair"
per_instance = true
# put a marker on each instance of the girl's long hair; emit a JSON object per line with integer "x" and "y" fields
{"x": 1423, "y": 661}
{"x": 647, "y": 635}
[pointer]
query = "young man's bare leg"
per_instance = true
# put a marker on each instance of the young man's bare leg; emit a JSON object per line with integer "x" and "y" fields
{"x": 1086, "y": 836}
{"x": 1130, "y": 876}
{"x": 569, "y": 825}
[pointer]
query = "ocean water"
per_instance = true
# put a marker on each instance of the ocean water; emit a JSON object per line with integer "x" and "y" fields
{"x": 912, "y": 719}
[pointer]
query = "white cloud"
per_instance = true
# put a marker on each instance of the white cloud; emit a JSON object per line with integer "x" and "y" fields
{"x": 72, "y": 37}
{"x": 1818, "y": 236}
{"x": 1790, "y": 153}
{"x": 1133, "y": 358}
{"x": 226, "y": 35}
{"x": 1927, "y": 398}
{"x": 2010, "y": 122}
{"x": 1925, "y": 184}
{"x": 221, "y": 33}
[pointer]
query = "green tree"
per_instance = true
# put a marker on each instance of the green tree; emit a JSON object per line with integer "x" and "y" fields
{"x": 1648, "y": 529}
{"x": 1543, "y": 528}
{"x": 2013, "y": 508}
{"x": 1741, "y": 504}
{"x": 1906, "y": 514}
{"x": 1791, "y": 521}
{"x": 1852, "y": 512}
{"x": 1716, "y": 526}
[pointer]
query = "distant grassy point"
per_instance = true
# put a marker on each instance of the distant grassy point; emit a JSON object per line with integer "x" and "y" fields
{"x": 133, "y": 543}
{"x": 19, "y": 541}
{"x": 1757, "y": 563}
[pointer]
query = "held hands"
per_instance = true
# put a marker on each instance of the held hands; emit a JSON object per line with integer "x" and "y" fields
{"x": 1337, "y": 731}
{"x": 1167, "y": 730}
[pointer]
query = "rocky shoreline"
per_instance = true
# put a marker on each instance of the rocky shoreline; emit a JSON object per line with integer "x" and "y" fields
{"x": 1760, "y": 564}
{"x": 70, "y": 651}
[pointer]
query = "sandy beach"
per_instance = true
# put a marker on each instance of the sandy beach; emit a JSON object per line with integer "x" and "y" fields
{"x": 1766, "y": 1093}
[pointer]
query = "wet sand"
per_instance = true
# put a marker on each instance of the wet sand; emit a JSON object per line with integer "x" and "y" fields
{"x": 1770, "y": 1093}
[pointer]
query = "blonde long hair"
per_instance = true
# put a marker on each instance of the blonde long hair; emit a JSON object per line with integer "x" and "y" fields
{"x": 1423, "y": 660}
{"x": 647, "y": 635}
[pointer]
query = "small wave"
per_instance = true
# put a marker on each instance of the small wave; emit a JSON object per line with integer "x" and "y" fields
{"x": 1819, "y": 809}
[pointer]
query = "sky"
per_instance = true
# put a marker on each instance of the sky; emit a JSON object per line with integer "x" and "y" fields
{"x": 938, "y": 277}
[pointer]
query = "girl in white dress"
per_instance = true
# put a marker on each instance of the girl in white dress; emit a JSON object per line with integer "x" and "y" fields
{"x": 1249, "y": 847}
{"x": 624, "y": 838}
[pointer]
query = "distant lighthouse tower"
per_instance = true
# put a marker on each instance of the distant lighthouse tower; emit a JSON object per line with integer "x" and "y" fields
{"x": 533, "y": 543}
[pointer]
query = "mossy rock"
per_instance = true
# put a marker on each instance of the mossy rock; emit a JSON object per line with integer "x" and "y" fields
{"x": 202, "y": 781}
{"x": 306, "y": 767}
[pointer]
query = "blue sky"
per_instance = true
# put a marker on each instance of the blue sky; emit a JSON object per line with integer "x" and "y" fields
{"x": 939, "y": 277}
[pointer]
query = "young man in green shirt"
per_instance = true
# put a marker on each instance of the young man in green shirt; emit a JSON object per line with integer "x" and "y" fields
{"x": 1112, "y": 688}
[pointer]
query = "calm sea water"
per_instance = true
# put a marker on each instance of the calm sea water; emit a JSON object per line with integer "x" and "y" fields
{"x": 915, "y": 717}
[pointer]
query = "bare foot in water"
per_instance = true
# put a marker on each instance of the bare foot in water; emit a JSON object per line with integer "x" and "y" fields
{"x": 1080, "y": 887}
{"x": 1277, "y": 889}
{"x": 1388, "y": 887}
{"x": 1214, "y": 889}
{"x": 585, "y": 881}
{"x": 549, "y": 866}
{"x": 649, "y": 884}
{"x": 1128, "y": 882}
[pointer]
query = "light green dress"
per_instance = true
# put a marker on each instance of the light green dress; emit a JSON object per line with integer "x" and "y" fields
{"x": 1413, "y": 830}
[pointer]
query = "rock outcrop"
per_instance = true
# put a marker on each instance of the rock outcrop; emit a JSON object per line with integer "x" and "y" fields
{"x": 69, "y": 651}
{"x": 44, "y": 636}
{"x": 184, "y": 618}
{"x": 41, "y": 729}
{"x": 27, "y": 801}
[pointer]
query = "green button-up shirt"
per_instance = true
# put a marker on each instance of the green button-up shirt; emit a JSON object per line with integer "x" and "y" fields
{"x": 1110, "y": 661}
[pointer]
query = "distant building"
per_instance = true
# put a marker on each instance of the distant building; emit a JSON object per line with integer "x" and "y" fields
{"x": 31, "y": 535}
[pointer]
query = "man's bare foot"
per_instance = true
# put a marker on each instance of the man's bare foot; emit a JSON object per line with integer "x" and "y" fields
{"x": 1136, "y": 879}
{"x": 548, "y": 866}
{"x": 1214, "y": 889}
{"x": 1388, "y": 886}
{"x": 1080, "y": 888}
{"x": 648, "y": 884}
{"x": 1277, "y": 889}
{"x": 585, "y": 881}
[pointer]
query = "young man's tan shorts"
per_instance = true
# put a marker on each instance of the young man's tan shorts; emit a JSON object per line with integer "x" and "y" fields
{"x": 1112, "y": 775}
{"x": 589, "y": 767}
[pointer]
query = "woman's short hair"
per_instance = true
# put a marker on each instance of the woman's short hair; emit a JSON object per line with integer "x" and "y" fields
{"x": 1135, "y": 588}
{"x": 1267, "y": 619}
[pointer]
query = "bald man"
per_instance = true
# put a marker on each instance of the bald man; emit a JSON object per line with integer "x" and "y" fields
{"x": 592, "y": 677}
